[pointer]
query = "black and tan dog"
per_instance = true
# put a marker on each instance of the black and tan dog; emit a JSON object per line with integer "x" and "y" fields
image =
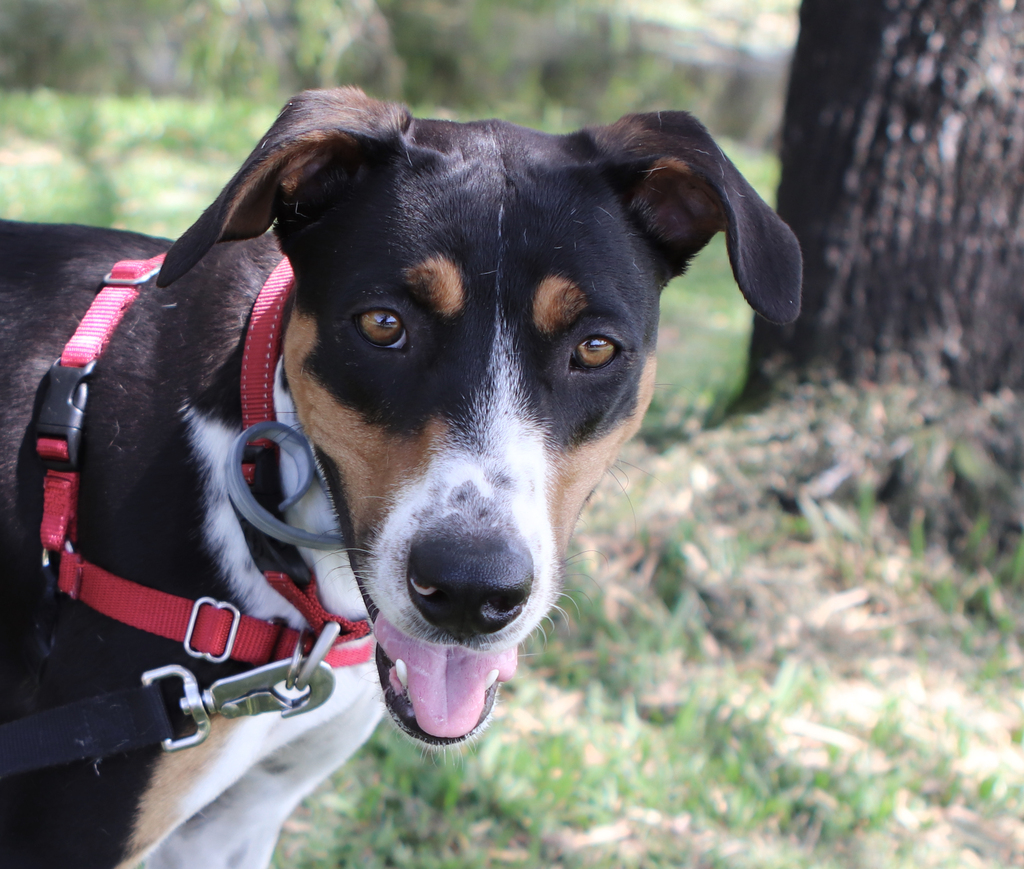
{"x": 470, "y": 341}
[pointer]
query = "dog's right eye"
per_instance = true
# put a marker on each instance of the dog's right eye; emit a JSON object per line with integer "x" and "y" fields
{"x": 382, "y": 328}
{"x": 595, "y": 352}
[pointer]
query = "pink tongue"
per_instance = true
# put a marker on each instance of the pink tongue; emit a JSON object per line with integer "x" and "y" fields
{"x": 447, "y": 684}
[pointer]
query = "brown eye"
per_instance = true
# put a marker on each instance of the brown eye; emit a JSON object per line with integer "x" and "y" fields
{"x": 382, "y": 328}
{"x": 594, "y": 352}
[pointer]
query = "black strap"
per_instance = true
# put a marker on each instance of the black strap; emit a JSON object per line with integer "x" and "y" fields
{"x": 85, "y": 730}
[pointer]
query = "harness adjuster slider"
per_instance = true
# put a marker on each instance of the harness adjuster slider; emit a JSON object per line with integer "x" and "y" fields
{"x": 236, "y": 618}
{"x": 63, "y": 411}
{"x": 110, "y": 281}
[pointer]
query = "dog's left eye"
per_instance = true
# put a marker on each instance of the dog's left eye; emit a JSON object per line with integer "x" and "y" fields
{"x": 594, "y": 352}
{"x": 382, "y": 328}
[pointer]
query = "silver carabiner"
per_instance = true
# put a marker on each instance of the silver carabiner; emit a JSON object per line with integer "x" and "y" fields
{"x": 265, "y": 689}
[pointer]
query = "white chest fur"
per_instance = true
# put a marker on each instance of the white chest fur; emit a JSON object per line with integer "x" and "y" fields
{"x": 223, "y": 803}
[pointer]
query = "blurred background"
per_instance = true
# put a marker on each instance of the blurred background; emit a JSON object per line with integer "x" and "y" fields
{"x": 566, "y": 62}
{"x": 790, "y": 630}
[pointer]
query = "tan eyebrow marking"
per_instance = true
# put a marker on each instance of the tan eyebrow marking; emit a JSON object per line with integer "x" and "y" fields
{"x": 437, "y": 283}
{"x": 556, "y": 304}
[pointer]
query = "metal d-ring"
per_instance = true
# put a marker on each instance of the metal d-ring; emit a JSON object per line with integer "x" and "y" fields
{"x": 321, "y": 647}
{"x": 296, "y": 662}
{"x": 245, "y": 503}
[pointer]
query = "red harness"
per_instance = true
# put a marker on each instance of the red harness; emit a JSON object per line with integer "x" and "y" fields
{"x": 208, "y": 628}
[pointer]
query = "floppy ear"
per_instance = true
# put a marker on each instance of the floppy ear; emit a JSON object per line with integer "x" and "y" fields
{"x": 316, "y": 130}
{"x": 683, "y": 189}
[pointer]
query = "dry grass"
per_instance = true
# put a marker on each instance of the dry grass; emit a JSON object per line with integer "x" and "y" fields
{"x": 762, "y": 663}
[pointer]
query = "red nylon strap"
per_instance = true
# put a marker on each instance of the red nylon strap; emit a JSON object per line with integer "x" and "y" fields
{"x": 60, "y": 508}
{"x": 307, "y": 602}
{"x": 54, "y": 449}
{"x": 60, "y": 489}
{"x": 263, "y": 346}
{"x": 100, "y": 321}
{"x": 167, "y": 615}
{"x": 60, "y": 498}
{"x": 259, "y": 365}
{"x": 346, "y": 654}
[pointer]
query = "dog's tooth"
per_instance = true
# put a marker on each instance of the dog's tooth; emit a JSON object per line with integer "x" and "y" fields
{"x": 492, "y": 677}
{"x": 425, "y": 590}
{"x": 402, "y": 671}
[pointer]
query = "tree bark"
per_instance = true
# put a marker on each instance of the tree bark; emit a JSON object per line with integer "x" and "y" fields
{"x": 903, "y": 178}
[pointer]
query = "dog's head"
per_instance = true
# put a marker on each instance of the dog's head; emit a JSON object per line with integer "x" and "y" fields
{"x": 471, "y": 342}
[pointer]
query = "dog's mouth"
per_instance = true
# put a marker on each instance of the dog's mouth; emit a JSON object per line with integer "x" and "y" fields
{"x": 439, "y": 694}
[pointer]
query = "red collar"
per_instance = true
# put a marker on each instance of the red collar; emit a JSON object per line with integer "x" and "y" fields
{"x": 210, "y": 629}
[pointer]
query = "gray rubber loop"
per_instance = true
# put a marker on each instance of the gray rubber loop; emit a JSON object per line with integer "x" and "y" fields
{"x": 297, "y": 447}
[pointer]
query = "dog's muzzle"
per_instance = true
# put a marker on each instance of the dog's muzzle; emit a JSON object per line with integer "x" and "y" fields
{"x": 467, "y": 587}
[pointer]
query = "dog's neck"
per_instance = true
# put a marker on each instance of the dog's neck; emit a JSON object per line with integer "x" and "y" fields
{"x": 211, "y": 441}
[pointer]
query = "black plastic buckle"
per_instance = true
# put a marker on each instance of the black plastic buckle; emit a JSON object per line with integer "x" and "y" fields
{"x": 63, "y": 411}
{"x": 269, "y": 554}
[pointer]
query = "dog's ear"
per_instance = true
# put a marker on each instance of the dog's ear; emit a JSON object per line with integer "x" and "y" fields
{"x": 317, "y": 130}
{"x": 683, "y": 189}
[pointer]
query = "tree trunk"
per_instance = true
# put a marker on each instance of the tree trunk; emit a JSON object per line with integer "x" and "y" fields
{"x": 903, "y": 178}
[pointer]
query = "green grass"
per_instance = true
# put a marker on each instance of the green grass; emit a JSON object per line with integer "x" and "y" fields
{"x": 727, "y": 684}
{"x": 132, "y": 163}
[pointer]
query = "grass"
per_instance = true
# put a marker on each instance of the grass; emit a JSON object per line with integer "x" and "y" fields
{"x": 731, "y": 684}
{"x": 132, "y": 163}
{"x": 752, "y": 667}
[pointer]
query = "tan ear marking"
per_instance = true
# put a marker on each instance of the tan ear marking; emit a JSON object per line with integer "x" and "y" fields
{"x": 315, "y": 150}
{"x": 684, "y": 202}
{"x": 672, "y": 163}
{"x": 557, "y": 304}
{"x": 437, "y": 283}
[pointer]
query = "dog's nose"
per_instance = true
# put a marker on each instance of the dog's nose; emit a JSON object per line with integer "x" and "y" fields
{"x": 470, "y": 586}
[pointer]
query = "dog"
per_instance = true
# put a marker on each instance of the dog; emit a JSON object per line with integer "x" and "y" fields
{"x": 469, "y": 342}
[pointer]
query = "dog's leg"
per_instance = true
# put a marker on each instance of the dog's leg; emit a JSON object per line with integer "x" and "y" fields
{"x": 240, "y": 828}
